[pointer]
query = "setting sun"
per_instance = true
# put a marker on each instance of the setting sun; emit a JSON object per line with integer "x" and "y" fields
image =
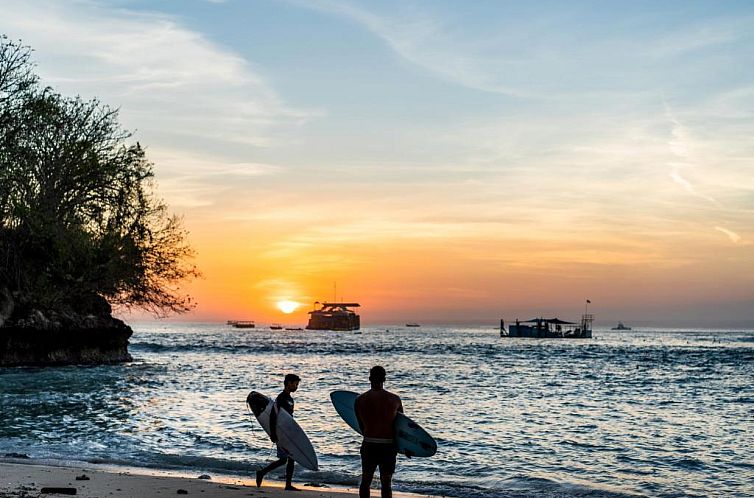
{"x": 288, "y": 306}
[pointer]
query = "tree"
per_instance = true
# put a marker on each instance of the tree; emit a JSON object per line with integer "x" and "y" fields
{"x": 79, "y": 220}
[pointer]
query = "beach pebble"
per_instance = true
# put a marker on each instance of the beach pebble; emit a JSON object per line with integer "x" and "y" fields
{"x": 205, "y": 476}
{"x": 58, "y": 491}
{"x": 182, "y": 492}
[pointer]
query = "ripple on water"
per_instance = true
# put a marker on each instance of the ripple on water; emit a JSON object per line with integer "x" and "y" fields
{"x": 657, "y": 413}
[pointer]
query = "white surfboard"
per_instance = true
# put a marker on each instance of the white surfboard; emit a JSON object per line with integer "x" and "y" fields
{"x": 410, "y": 438}
{"x": 291, "y": 437}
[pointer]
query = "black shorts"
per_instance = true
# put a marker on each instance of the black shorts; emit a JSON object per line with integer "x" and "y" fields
{"x": 382, "y": 455}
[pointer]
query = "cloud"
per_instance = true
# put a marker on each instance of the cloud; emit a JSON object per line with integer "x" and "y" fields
{"x": 423, "y": 40}
{"x": 201, "y": 109}
{"x": 189, "y": 181}
{"x": 169, "y": 81}
{"x": 540, "y": 53}
{"x": 733, "y": 236}
{"x": 684, "y": 148}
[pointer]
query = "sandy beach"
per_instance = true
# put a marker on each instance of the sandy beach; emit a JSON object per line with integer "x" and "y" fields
{"x": 25, "y": 480}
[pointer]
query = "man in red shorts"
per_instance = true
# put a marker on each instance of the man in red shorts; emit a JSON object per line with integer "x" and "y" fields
{"x": 376, "y": 410}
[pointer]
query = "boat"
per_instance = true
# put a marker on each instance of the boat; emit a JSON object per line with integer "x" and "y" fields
{"x": 334, "y": 316}
{"x": 242, "y": 324}
{"x": 549, "y": 328}
{"x": 620, "y": 326}
{"x": 413, "y": 324}
{"x": 293, "y": 328}
{"x": 276, "y": 326}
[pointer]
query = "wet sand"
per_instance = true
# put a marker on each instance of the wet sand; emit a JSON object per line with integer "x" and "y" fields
{"x": 19, "y": 480}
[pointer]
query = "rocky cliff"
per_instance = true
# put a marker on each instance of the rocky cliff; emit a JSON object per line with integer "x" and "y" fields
{"x": 37, "y": 337}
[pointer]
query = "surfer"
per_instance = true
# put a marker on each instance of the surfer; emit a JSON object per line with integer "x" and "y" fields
{"x": 376, "y": 410}
{"x": 284, "y": 401}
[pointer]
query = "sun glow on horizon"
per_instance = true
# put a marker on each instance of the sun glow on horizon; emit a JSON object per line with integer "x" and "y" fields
{"x": 288, "y": 307}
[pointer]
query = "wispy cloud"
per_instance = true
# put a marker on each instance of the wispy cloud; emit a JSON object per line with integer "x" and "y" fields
{"x": 168, "y": 80}
{"x": 201, "y": 108}
{"x": 733, "y": 236}
{"x": 536, "y": 54}
{"x": 423, "y": 40}
{"x": 682, "y": 146}
{"x": 194, "y": 180}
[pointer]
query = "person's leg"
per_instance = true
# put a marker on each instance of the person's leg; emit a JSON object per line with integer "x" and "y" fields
{"x": 368, "y": 466}
{"x": 388, "y": 459}
{"x": 270, "y": 467}
{"x": 289, "y": 475}
{"x": 386, "y": 485}
{"x": 366, "y": 482}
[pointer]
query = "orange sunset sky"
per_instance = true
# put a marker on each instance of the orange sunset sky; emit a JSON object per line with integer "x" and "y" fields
{"x": 440, "y": 163}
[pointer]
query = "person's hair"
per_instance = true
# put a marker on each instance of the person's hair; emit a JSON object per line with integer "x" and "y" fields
{"x": 291, "y": 378}
{"x": 377, "y": 374}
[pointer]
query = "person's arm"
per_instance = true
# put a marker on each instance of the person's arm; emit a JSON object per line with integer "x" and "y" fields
{"x": 274, "y": 422}
{"x": 357, "y": 408}
{"x": 400, "y": 405}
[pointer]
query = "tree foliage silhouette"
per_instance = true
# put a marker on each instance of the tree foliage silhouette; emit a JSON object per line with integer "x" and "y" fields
{"x": 79, "y": 220}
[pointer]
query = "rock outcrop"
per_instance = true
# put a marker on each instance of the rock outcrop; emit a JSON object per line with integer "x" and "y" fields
{"x": 39, "y": 337}
{"x": 7, "y": 304}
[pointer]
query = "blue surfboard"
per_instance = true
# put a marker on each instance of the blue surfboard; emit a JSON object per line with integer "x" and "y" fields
{"x": 410, "y": 438}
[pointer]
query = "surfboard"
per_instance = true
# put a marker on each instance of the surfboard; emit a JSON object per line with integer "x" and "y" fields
{"x": 410, "y": 438}
{"x": 291, "y": 437}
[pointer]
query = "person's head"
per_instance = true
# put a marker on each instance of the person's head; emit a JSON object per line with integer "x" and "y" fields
{"x": 290, "y": 383}
{"x": 377, "y": 376}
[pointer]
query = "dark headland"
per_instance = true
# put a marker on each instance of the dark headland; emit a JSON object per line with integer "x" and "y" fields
{"x": 81, "y": 229}
{"x": 89, "y": 335}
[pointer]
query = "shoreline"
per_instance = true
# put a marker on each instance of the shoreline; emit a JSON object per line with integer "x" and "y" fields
{"x": 24, "y": 478}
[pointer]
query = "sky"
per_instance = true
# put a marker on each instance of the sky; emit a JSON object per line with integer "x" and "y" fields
{"x": 439, "y": 162}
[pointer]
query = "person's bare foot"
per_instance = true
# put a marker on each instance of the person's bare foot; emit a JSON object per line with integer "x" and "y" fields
{"x": 260, "y": 476}
{"x": 290, "y": 487}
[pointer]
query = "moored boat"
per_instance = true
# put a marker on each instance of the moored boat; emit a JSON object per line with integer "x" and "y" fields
{"x": 334, "y": 316}
{"x": 620, "y": 326}
{"x": 549, "y": 328}
{"x": 242, "y": 324}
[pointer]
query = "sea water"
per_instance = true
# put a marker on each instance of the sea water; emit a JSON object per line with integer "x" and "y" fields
{"x": 647, "y": 412}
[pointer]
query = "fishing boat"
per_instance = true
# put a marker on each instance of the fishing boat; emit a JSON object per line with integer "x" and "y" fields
{"x": 413, "y": 324}
{"x": 549, "y": 328}
{"x": 620, "y": 326}
{"x": 334, "y": 316}
{"x": 276, "y": 326}
{"x": 242, "y": 324}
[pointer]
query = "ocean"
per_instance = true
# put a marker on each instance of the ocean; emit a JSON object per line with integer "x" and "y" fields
{"x": 660, "y": 413}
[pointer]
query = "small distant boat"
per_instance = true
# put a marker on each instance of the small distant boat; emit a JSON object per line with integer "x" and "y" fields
{"x": 413, "y": 324}
{"x": 293, "y": 328}
{"x": 242, "y": 324}
{"x": 276, "y": 326}
{"x": 621, "y": 326}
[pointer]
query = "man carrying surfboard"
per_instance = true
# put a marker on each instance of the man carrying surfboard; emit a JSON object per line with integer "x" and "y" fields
{"x": 284, "y": 401}
{"x": 376, "y": 411}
